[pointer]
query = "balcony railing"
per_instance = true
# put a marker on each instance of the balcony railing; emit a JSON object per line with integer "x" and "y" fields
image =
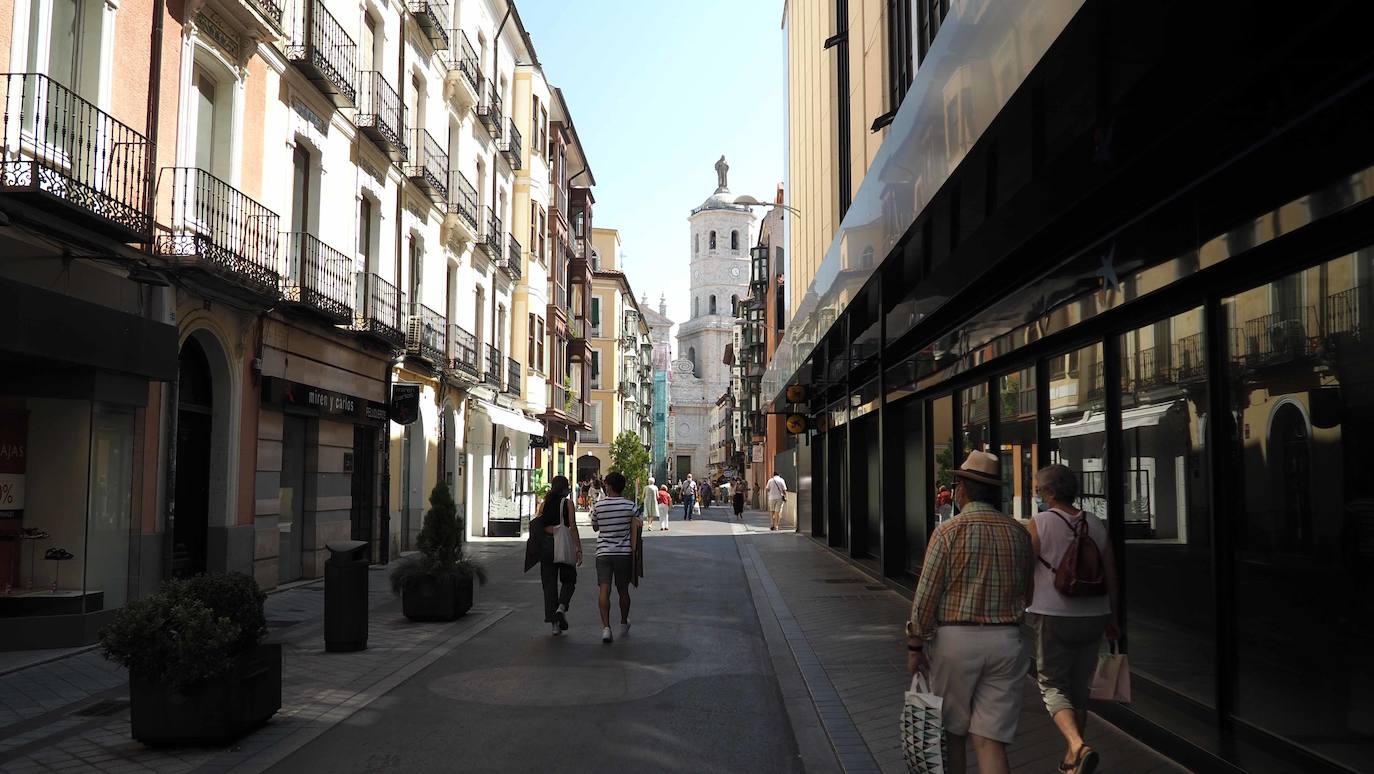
{"x": 324, "y": 52}
{"x": 270, "y": 10}
{"x": 1343, "y": 312}
{"x": 464, "y": 59}
{"x": 1281, "y": 335}
{"x": 216, "y": 228}
{"x": 462, "y": 199}
{"x": 489, "y": 111}
{"x": 381, "y": 115}
{"x": 510, "y": 146}
{"x": 489, "y": 240}
{"x": 431, "y": 16}
{"x": 513, "y": 376}
{"x": 494, "y": 363}
{"x": 71, "y": 155}
{"x": 511, "y": 263}
{"x": 318, "y": 276}
{"x": 462, "y": 353}
{"x": 1153, "y": 371}
{"x": 425, "y": 330}
{"x": 377, "y": 308}
{"x": 428, "y": 167}
{"x": 1190, "y": 354}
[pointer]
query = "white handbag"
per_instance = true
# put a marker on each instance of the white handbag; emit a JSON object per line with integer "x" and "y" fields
{"x": 923, "y": 732}
{"x": 564, "y": 550}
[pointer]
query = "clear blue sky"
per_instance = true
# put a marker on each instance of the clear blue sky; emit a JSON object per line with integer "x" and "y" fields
{"x": 659, "y": 89}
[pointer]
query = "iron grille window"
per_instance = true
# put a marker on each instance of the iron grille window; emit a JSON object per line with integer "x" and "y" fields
{"x": 930, "y": 14}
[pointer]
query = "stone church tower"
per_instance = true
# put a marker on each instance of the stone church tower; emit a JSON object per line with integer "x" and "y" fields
{"x": 721, "y": 233}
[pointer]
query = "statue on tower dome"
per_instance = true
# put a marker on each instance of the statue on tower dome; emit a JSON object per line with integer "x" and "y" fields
{"x": 722, "y": 171}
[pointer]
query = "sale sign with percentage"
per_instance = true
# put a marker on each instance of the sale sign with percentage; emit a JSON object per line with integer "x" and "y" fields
{"x": 14, "y": 439}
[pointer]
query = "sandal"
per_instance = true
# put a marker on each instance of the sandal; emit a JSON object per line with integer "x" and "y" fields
{"x": 1085, "y": 762}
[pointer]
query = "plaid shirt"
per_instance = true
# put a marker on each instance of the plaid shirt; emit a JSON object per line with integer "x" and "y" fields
{"x": 977, "y": 570}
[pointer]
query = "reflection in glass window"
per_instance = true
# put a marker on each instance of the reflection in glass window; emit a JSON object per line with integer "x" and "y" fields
{"x": 973, "y": 413}
{"x": 1302, "y": 396}
{"x": 1078, "y": 436}
{"x": 942, "y": 439}
{"x": 1017, "y": 398}
{"x": 1167, "y": 519}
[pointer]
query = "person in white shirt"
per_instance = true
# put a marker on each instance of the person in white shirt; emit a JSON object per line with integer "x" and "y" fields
{"x": 650, "y": 503}
{"x": 776, "y": 489}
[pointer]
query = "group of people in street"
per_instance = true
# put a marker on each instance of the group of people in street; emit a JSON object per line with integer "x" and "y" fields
{"x": 984, "y": 575}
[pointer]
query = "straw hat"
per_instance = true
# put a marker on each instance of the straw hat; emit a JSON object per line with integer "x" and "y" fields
{"x": 982, "y": 467}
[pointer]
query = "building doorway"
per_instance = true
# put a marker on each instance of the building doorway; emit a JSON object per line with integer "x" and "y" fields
{"x": 363, "y": 484}
{"x": 291, "y": 498}
{"x": 195, "y": 415}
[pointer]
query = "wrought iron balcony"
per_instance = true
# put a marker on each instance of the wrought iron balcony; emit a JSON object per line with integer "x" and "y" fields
{"x": 381, "y": 116}
{"x": 428, "y": 168}
{"x": 1281, "y": 335}
{"x": 511, "y": 263}
{"x": 425, "y": 330}
{"x": 462, "y": 200}
{"x": 216, "y": 229}
{"x": 494, "y": 363}
{"x": 431, "y": 16}
{"x": 318, "y": 277}
{"x": 462, "y": 354}
{"x": 1190, "y": 353}
{"x": 513, "y": 376}
{"x": 464, "y": 70}
{"x": 70, "y": 156}
{"x": 377, "y": 308}
{"x": 318, "y": 45}
{"x": 510, "y": 146}
{"x": 489, "y": 110}
{"x": 1345, "y": 312}
{"x": 489, "y": 239}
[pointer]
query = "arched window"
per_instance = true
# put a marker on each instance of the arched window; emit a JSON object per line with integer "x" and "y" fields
{"x": 692, "y": 358}
{"x": 713, "y": 305}
{"x": 712, "y": 242}
{"x": 734, "y": 240}
{"x": 696, "y": 306}
{"x": 734, "y": 305}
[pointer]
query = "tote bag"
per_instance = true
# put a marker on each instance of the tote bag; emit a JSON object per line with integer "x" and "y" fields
{"x": 564, "y": 552}
{"x": 923, "y": 732}
{"x": 1112, "y": 680}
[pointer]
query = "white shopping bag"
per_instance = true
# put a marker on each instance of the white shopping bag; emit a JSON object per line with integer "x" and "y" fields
{"x": 923, "y": 732}
{"x": 1112, "y": 680}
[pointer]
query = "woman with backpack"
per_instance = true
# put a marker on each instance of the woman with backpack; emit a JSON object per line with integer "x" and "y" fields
{"x": 555, "y": 513}
{"x": 1074, "y": 603}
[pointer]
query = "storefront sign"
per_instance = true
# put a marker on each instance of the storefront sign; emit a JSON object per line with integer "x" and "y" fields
{"x": 539, "y": 442}
{"x": 405, "y": 403}
{"x": 14, "y": 436}
{"x": 282, "y": 392}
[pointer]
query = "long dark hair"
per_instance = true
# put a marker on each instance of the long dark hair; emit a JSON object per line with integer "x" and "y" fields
{"x": 558, "y": 490}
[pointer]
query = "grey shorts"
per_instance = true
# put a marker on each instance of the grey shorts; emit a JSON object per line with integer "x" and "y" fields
{"x": 614, "y": 567}
{"x": 979, "y": 671}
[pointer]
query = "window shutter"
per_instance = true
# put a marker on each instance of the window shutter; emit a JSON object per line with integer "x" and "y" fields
{"x": 596, "y": 313}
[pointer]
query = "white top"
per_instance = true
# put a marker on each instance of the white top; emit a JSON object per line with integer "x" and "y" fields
{"x": 613, "y": 520}
{"x": 1054, "y": 541}
{"x": 776, "y": 488}
{"x": 650, "y": 494}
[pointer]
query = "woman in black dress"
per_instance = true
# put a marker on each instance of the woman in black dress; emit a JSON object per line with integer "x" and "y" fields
{"x": 557, "y": 507}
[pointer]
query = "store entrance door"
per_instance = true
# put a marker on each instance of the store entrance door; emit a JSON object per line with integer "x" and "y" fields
{"x": 291, "y": 498}
{"x": 195, "y": 406}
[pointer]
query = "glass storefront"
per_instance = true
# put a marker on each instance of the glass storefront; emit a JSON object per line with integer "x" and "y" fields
{"x": 1078, "y": 418}
{"x": 1016, "y": 439}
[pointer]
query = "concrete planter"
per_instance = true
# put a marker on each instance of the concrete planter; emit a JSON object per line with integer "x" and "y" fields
{"x": 214, "y": 713}
{"x": 437, "y": 599}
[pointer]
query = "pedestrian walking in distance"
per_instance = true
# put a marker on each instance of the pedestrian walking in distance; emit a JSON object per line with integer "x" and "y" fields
{"x": 665, "y": 506}
{"x": 776, "y": 489}
{"x": 738, "y": 502}
{"x": 965, "y": 626}
{"x": 1069, "y": 624}
{"x": 689, "y": 496}
{"x": 650, "y": 503}
{"x": 613, "y": 519}
{"x": 559, "y": 580}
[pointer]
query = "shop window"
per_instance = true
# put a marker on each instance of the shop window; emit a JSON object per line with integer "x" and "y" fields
{"x": 1168, "y": 523}
{"x": 1078, "y": 437}
{"x": 944, "y": 463}
{"x": 1016, "y": 395}
{"x": 973, "y": 413}
{"x": 1303, "y": 411}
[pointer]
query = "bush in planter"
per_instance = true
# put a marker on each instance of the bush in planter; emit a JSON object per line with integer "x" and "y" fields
{"x": 437, "y": 584}
{"x": 198, "y": 671}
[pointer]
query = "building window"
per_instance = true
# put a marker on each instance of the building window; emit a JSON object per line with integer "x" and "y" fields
{"x": 529, "y": 352}
{"x": 214, "y": 120}
{"x": 367, "y": 234}
{"x": 929, "y": 15}
{"x": 696, "y": 306}
{"x": 734, "y": 305}
{"x": 596, "y": 369}
{"x": 596, "y": 315}
{"x": 692, "y": 358}
{"x": 711, "y": 243}
{"x": 734, "y": 240}
{"x": 539, "y": 345}
{"x": 696, "y": 244}
{"x": 64, "y": 43}
{"x": 712, "y": 304}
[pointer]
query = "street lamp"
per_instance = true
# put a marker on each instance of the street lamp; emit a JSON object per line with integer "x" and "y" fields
{"x": 748, "y": 201}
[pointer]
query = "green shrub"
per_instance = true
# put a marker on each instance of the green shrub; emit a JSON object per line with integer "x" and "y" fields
{"x": 441, "y": 546}
{"x": 189, "y": 631}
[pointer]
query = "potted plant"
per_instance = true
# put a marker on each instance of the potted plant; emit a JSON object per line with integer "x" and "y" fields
{"x": 436, "y": 584}
{"x": 199, "y": 672}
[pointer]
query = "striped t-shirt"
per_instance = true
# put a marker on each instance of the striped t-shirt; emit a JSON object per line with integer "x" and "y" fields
{"x": 612, "y": 518}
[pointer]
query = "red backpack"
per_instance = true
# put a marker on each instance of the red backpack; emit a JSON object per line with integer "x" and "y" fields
{"x": 1081, "y": 571}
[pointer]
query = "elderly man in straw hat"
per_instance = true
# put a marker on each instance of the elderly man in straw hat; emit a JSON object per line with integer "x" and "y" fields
{"x": 965, "y": 626}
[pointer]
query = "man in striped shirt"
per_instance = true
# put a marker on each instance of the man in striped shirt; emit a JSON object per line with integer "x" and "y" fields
{"x": 615, "y": 524}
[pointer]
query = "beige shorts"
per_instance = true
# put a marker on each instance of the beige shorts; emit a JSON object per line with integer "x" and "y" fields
{"x": 775, "y": 506}
{"x": 980, "y": 671}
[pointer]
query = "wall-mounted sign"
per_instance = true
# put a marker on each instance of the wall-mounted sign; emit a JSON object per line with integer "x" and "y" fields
{"x": 539, "y": 442}
{"x": 405, "y": 403}
{"x": 283, "y": 392}
{"x": 14, "y": 438}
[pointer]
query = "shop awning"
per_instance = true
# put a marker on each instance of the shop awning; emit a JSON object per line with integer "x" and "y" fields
{"x": 1096, "y": 421}
{"x": 508, "y": 418}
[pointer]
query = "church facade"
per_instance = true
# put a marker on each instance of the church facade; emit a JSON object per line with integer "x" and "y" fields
{"x": 719, "y": 240}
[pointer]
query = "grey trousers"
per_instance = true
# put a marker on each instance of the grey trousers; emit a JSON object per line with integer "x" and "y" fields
{"x": 1066, "y": 650}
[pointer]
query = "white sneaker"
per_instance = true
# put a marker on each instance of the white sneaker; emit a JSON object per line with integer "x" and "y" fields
{"x": 606, "y": 634}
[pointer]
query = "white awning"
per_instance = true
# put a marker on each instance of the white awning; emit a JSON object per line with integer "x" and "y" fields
{"x": 1096, "y": 421}
{"x": 508, "y": 418}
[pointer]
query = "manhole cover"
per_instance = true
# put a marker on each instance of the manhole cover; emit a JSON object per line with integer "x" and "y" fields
{"x": 103, "y": 708}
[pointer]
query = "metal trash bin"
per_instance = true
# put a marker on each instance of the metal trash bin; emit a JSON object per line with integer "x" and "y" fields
{"x": 345, "y": 596}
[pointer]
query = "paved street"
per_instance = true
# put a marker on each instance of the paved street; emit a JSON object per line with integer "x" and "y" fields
{"x": 749, "y": 651}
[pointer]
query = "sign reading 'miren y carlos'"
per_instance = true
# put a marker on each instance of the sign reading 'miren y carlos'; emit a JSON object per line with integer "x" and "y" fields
{"x": 14, "y": 440}
{"x": 283, "y": 392}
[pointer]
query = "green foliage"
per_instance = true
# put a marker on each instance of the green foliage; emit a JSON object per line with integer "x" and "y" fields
{"x": 189, "y": 631}
{"x": 538, "y": 485}
{"x": 944, "y": 466}
{"x": 631, "y": 460}
{"x": 441, "y": 546}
